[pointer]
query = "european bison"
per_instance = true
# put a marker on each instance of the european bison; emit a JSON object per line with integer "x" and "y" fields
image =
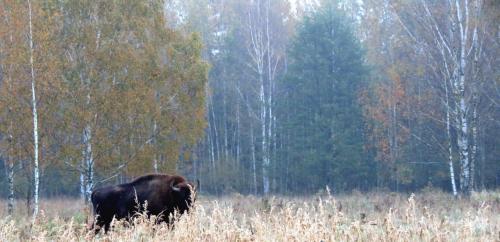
{"x": 163, "y": 193}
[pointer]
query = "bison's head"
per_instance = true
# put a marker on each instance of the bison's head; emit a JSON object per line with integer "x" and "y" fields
{"x": 184, "y": 193}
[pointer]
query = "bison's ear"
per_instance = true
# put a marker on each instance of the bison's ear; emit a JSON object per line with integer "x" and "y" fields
{"x": 174, "y": 188}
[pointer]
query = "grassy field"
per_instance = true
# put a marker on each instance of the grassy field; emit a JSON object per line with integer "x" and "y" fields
{"x": 427, "y": 216}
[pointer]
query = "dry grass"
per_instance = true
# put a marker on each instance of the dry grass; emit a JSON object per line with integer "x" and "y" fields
{"x": 429, "y": 216}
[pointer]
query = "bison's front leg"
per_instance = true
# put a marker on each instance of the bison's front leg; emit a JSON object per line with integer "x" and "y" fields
{"x": 100, "y": 223}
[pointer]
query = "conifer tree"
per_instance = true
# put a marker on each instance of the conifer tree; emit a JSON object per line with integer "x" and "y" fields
{"x": 321, "y": 109}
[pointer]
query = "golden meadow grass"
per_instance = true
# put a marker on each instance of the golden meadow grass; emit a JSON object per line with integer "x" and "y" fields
{"x": 427, "y": 216}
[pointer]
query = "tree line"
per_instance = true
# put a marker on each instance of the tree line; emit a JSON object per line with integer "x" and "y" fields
{"x": 256, "y": 97}
{"x": 118, "y": 94}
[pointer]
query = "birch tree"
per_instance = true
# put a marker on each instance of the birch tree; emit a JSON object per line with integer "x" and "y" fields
{"x": 450, "y": 29}
{"x": 26, "y": 98}
{"x": 425, "y": 41}
{"x": 35, "y": 116}
{"x": 267, "y": 32}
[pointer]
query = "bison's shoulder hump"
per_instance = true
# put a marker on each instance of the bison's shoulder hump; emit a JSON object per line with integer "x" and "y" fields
{"x": 178, "y": 179}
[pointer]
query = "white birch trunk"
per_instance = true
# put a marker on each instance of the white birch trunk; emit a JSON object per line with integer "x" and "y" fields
{"x": 448, "y": 136}
{"x": 463, "y": 139}
{"x": 10, "y": 183}
{"x": 211, "y": 142}
{"x": 89, "y": 162}
{"x": 36, "y": 168}
{"x": 216, "y": 138}
{"x": 155, "y": 159}
{"x": 463, "y": 145}
{"x": 269, "y": 95}
{"x": 82, "y": 178}
{"x": 254, "y": 160}
{"x": 86, "y": 169}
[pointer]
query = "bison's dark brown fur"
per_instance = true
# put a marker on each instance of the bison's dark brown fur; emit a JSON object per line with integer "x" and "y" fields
{"x": 162, "y": 193}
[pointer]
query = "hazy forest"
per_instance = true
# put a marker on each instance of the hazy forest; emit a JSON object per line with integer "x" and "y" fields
{"x": 259, "y": 97}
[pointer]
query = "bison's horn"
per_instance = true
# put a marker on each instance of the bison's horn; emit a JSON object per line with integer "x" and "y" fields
{"x": 174, "y": 187}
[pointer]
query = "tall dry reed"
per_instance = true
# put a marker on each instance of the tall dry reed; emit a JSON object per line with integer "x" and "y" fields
{"x": 429, "y": 216}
